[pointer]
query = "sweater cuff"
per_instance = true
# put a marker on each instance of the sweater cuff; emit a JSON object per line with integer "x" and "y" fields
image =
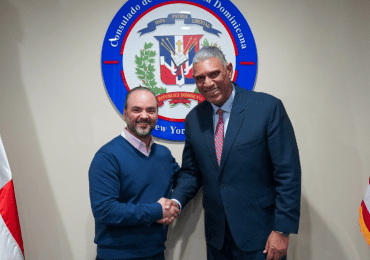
{"x": 156, "y": 211}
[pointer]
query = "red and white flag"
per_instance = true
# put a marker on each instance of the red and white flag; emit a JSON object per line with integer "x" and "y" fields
{"x": 364, "y": 219}
{"x": 11, "y": 244}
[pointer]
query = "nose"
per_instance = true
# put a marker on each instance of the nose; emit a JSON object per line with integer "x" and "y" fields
{"x": 144, "y": 115}
{"x": 208, "y": 82}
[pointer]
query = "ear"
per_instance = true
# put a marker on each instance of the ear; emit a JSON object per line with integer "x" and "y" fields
{"x": 125, "y": 114}
{"x": 229, "y": 68}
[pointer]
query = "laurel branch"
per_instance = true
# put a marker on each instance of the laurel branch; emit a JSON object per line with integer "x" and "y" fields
{"x": 145, "y": 69}
{"x": 206, "y": 43}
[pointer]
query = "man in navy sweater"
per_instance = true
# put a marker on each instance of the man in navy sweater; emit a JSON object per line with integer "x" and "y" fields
{"x": 130, "y": 178}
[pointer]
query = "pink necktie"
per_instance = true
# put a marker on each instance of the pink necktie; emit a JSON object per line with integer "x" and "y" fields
{"x": 219, "y": 136}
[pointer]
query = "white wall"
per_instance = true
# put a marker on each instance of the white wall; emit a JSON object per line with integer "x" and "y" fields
{"x": 55, "y": 114}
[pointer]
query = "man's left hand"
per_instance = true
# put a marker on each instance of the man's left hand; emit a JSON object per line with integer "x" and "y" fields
{"x": 276, "y": 246}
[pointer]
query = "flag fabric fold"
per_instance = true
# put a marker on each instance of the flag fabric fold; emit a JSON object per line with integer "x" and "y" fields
{"x": 11, "y": 244}
{"x": 364, "y": 219}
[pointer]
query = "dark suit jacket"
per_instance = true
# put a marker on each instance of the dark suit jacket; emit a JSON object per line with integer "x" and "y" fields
{"x": 257, "y": 187}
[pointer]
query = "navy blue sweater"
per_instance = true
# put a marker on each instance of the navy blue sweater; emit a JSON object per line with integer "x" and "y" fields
{"x": 125, "y": 186}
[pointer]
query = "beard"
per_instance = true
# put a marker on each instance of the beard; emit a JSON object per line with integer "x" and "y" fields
{"x": 132, "y": 126}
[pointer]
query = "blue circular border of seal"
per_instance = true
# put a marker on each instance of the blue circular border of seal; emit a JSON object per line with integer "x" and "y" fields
{"x": 111, "y": 59}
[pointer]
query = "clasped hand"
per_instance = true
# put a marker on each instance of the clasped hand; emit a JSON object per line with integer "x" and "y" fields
{"x": 170, "y": 211}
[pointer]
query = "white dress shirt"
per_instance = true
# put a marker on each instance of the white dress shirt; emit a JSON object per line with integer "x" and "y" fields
{"x": 226, "y": 108}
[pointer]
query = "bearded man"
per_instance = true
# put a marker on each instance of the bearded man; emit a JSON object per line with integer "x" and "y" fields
{"x": 130, "y": 178}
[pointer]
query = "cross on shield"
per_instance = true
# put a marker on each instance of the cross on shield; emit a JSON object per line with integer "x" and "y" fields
{"x": 176, "y": 58}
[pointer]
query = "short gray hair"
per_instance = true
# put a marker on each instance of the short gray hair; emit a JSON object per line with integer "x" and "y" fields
{"x": 208, "y": 52}
{"x": 137, "y": 89}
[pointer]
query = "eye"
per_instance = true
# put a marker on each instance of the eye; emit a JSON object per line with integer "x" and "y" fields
{"x": 136, "y": 110}
{"x": 214, "y": 74}
{"x": 199, "y": 78}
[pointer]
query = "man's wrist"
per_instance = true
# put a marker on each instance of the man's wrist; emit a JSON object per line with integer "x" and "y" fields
{"x": 284, "y": 234}
{"x": 178, "y": 203}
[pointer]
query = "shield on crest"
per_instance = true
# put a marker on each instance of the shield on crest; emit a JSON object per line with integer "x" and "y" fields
{"x": 176, "y": 58}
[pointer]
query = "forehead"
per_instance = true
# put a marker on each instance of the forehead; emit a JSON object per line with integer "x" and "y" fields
{"x": 206, "y": 66}
{"x": 141, "y": 98}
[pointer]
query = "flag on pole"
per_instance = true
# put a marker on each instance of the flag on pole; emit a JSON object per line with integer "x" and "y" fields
{"x": 11, "y": 244}
{"x": 364, "y": 219}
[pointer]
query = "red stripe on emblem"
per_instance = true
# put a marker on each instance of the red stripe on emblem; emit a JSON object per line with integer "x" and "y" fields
{"x": 124, "y": 81}
{"x": 247, "y": 63}
{"x": 235, "y": 75}
{"x": 111, "y": 62}
{"x": 9, "y": 212}
{"x": 171, "y": 119}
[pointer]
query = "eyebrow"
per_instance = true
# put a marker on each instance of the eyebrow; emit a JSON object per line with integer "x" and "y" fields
{"x": 195, "y": 75}
{"x": 136, "y": 107}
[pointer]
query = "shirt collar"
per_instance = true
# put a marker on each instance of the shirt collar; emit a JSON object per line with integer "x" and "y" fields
{"x": 134, "y": 141}
{"x": 226, "y": 107}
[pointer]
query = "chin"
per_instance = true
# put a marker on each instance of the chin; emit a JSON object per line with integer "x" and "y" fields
{"x": 143, "y": 132}
{"x": 216, "y": 101}
{"x": 211, "y": 99}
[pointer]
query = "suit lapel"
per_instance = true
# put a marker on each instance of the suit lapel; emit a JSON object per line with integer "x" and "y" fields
{"x": 235, "y": 122}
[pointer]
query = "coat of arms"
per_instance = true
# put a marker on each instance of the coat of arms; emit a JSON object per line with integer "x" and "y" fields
{"x": 153, "y": 44}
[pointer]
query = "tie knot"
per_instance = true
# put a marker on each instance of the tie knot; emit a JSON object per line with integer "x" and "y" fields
{"x": 219, "y": 112}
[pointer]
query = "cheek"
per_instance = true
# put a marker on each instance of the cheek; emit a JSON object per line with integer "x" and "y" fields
{"x": 153, "y": 118}
{"x": 199, "y": 86}
{"x": 133, "y": 118}
{"x": 201, "y": 90}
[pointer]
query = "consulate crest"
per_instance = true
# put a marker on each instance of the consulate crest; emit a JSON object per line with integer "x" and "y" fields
{"x": 152, "y": 43}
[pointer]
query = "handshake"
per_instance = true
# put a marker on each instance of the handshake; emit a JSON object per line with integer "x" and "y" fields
{"x": 170, "y": 211}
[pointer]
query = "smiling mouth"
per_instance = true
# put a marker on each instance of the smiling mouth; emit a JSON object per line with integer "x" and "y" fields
{"x": 143, "y": 123}
{"x": 212, "y": 91}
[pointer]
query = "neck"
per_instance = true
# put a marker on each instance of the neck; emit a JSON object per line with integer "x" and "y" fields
{"x": 145, "y": 139}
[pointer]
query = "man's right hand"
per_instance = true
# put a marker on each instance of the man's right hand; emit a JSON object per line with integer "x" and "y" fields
{"x": 170, "y": 211}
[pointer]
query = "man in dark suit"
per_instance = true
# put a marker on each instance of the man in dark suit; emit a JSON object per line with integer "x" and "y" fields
{"x": 240, "y": 147}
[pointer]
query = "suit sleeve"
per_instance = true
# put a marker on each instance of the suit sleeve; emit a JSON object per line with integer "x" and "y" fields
{"x": 284, "y": 156}
{"x": 104, "y": 196}
{"x": 189, "y": 178}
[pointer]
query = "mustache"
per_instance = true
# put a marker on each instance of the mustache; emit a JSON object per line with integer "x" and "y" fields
{"x": 143, "y": 121}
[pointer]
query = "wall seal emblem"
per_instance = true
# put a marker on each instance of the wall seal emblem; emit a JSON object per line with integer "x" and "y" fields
{"x": 152, "y": 43}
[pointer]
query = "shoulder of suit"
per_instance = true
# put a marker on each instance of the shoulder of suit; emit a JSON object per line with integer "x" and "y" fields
{"x": 200, "y": 108}
{"x": 251, "y": 95}
{"x": 255, "y": 96}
